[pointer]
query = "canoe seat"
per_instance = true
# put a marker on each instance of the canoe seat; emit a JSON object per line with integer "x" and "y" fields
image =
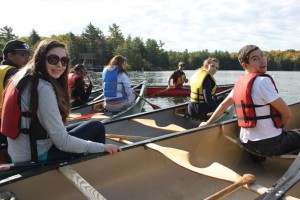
{"x": 98, "y": 106}
{"x": 257, "y": 157}
{"x": 182, "y": 112}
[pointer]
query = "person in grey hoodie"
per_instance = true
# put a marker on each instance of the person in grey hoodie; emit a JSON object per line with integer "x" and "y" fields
{"x": 46, "y": 97}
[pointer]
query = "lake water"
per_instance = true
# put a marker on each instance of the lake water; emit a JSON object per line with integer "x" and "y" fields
{"x": 287, "y": 84}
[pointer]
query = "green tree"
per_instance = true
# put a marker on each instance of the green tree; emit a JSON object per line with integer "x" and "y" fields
{"x": 115, "y": 38}
{"x": 34, "y": 38}
{"x": 95, "y": 42}
{"x": 6, "y": 34}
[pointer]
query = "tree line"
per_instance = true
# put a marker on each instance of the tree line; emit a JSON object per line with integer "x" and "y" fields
{"x": 148, "y": 55}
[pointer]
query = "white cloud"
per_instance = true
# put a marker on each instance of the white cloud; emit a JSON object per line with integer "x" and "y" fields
{"x": 190, "y": 24}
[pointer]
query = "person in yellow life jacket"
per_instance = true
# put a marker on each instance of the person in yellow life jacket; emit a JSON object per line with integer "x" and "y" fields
{"x": 261, "y": 112}
{"x": 178, "y": 77}
{"x": 16, "y": 54}
{"x": 203, "y": 89}
{"x": 80, "y": 91}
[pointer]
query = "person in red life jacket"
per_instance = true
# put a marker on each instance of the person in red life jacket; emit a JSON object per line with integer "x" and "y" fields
{"x": 261, "y": 112}
{"x": 36, "y": 105}
{"x": 178, "y": 77}
{"x": 118, "y": 93}
{"x": 203, "y": 90}
{"x": 16, "y": 54}
{"x": 80, "y": 92}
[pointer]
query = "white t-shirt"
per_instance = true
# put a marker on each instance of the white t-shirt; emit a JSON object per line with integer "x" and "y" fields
{"x": 263, "y": 92}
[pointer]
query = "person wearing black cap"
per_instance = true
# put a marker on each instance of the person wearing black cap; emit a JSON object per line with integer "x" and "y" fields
{"x": 15, "y": 55}
{"x": 260, "y": 111}
{"x": 178, "y": 77}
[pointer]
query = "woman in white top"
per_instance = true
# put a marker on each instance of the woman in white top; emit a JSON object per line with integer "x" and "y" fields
{"x": 42, "y": 134}
{"x": 118, "y": 94}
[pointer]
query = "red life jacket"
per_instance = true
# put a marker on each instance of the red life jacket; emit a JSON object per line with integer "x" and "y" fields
{"x": 72, "y": 79}
{"x": 244, "y": 106}
{"x": 12, "y": 115}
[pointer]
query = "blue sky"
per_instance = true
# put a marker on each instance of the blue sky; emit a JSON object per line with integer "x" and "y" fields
{"x": 224, "y": 25}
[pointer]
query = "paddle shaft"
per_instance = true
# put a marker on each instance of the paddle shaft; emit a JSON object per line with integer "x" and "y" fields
{"x": 155, "y": 107}
{"x": 159, "y": 92}
{"x": 246, "y": 179}
{"x": 128, "y": 137}
{"x": 287, "y": 181}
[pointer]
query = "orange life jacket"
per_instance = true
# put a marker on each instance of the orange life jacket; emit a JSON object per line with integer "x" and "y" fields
{"x": 244, "y": 106}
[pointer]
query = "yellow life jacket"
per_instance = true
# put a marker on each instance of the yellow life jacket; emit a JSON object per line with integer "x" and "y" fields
{"x": 196, "y": 84}
{"x": 180, "y": 78}
{"x": 3, "y": 71}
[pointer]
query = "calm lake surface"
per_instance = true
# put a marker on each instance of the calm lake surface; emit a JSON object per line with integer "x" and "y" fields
{"x": 287, "y": 84}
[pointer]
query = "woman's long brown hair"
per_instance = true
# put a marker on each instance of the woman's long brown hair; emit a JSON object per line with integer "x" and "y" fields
{"x": 37, "y": 69}
{"x": 118, "y": 61}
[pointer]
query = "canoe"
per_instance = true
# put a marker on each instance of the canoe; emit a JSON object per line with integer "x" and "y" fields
{"x": 204, "y": 161}
{"x": 132, "y": 126}
{"x": 94, "y": 109}
{"x": 94, "y": 94}
{"x": 161, "y": 91}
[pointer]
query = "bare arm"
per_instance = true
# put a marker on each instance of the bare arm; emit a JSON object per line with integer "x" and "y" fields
{"x": 169, "y": 80}
{"x": 219, "y": 111}
{"x": 283, "y": 109}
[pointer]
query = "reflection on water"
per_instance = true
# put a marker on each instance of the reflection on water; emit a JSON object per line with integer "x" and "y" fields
{"x": 287, "y": 84}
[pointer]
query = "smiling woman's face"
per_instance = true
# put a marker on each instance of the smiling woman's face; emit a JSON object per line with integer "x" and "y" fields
{"x": 56, "y": 70}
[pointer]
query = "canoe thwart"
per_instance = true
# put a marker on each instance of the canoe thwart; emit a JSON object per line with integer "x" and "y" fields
{"x": 238, "y": 142}
{"x": 151, "y": 123}
{"x": 95, "y": 116}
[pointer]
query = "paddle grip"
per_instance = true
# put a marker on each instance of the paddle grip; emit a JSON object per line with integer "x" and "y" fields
{"x": 246, "y": 179}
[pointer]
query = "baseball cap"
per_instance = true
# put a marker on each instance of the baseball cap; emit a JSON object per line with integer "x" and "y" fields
{"x": 181, "y": 63}
{"x": 16, "y": 45}
{"x": 245, "y": 51}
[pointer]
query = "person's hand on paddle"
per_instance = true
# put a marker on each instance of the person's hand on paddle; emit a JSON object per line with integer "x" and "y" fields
{"x": 111, "y": 149}
{"x": 90, "y": 79}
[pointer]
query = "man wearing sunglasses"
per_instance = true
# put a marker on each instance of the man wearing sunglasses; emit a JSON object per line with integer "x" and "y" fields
{"x": 16, "y": 54}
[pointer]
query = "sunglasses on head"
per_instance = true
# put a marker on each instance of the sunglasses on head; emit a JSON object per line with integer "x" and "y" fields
{"x": 54, "y": 59}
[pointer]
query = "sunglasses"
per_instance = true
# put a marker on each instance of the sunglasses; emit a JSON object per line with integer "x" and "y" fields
{"x": 54, "y": 59}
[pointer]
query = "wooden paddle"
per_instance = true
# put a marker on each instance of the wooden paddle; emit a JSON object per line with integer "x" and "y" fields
{"x": 151, "y": 123}
{"x": 246, "y": 179}
{"x": 127, "y": 137}
{"x": 155, "y": 107}
{"x": 80, "y": 183}
{"x": 215, "y": 170}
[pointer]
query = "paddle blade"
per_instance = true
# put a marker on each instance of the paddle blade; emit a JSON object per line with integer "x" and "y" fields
{"x": 155, "y": 107}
